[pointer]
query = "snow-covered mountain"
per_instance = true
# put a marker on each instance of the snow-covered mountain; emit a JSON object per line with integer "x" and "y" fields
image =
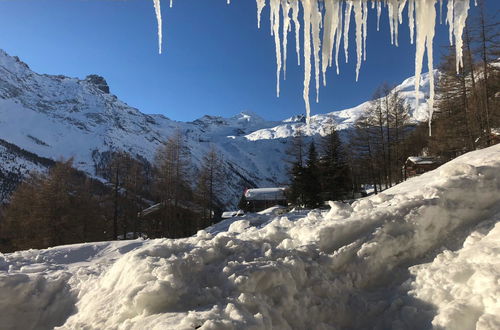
{"x": 60, "y": 117}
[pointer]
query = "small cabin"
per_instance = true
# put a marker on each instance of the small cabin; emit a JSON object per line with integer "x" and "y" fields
{"x": 259, "y": 199}
{"x": 495, "y": 136}
{"x": 168, "y": 220}
{"x": 418, "y": 165}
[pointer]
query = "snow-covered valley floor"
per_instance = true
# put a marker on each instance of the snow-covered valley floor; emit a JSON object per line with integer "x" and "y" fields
{"x": 424, "y": 254}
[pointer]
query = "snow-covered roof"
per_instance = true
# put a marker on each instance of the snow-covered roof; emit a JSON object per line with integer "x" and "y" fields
{"x": 265, "y": 194}
{"x": 150, "y": 210}
{"x": 422, "y": 160}
{"x": 230, "y": 214}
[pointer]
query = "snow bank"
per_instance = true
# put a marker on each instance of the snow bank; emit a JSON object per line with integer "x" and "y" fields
{"x": 364, "y": 265}
{"x": 464, "y": 284}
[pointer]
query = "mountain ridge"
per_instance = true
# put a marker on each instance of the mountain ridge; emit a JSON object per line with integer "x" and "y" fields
{"x": 55, "y": 116}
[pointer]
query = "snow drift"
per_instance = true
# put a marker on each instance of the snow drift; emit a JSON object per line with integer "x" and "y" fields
{"x": 422, "y": 254}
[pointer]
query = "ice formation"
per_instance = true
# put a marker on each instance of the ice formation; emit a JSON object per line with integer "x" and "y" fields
{"x": 158, "y": 18}
{"x": 322, "y": 27}
{"x": 322, "y": 23}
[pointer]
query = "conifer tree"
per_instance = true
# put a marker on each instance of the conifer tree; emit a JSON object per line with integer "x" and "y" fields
{"x": 335, "y": 173}
{"x": 311, "y": 179}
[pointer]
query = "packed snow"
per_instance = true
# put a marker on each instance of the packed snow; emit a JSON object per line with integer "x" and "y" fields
{"x": 423, "y": 253}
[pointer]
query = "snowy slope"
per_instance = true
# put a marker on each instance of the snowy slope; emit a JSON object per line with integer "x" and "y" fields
{"x": 60, "y": 117}
{"x": 422, "y": 254}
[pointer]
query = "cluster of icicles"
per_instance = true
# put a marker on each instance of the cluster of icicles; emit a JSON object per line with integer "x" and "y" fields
{"x": 325, "y": 22}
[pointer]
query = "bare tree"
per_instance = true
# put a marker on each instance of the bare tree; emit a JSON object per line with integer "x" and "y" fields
{"x": 211, "y": 183}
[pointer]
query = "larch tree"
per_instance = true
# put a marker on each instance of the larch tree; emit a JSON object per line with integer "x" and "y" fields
{"x": 211, "y": 183}
{"x": 172, "y": 185}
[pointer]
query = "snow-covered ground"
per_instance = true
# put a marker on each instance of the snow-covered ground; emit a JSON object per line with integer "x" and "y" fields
{"x": 422, "y": 254}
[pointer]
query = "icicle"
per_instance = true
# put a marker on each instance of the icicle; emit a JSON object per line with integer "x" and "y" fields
{"x": 401, "y": 7}
{"x": 306, "y": 4}
{"x": 411, "y": 19}
{"x": 338, "y": 37}
{"x": 440, "y": 11}
{"x": 347, "y": 23}
{"x": 358, "y": 16}
{"x": 331, "y": 35}
{"x": 286, "y": 27}
{"x": 328, "y": 35}
{"x": 275, "y": 31}
{"x": 393, "y": 12}
{"x": 316, "y": 28}
{"x": 449, "y": 19}
{"x": 379, "y": 12}
{"x": 336, "y": 24}
{"x": 425, "y": 23}
{"x": 296, "y": 23}
{"x": 260, "y": 6}
{"x": 461, "y": 9}
{"x": 365, "y": 28}
{"x": 156, "y": 4}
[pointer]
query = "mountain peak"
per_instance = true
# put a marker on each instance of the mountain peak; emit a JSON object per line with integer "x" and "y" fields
{"x": 248, "y": 116}
{"x": 99, "y": 82}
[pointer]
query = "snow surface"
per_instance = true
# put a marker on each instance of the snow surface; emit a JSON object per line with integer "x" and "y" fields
{"x": 422, "y": 254}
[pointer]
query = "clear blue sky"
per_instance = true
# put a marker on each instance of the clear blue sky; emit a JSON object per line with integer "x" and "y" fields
{"x": 215, "y": 59}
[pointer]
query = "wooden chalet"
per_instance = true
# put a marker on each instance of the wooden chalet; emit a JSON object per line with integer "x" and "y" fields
{"x": 418, "y": 165}
{"x": 168, "y": 220}
{"x": 259, "y": 199}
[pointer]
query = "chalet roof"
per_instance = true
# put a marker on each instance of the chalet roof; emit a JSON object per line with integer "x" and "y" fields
{"x": 230, "y": 214}
{"x": 156, "y": 207}
{"x": 265, "y": 194}
{"x": 422, "y": 160}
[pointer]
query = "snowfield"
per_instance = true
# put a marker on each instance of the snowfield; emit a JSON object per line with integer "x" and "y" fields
{"x": 424, "y": 254}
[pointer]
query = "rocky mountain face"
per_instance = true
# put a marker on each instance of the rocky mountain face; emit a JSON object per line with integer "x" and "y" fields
{"x": 56, "y": 117}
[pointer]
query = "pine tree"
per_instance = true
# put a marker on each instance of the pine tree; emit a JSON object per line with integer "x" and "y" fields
{"x": 296, "y": 157}
{"x": 336, "y": 180}
{"x": 311, "y": 179}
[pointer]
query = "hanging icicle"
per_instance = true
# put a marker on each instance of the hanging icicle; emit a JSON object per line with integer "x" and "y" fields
{"x": 325, "y": 22}
{"x": 157, "y": 6}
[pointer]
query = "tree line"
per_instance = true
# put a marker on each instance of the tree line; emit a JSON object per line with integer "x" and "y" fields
{"x": 468, "y": 100}
{"x": 466, "y": 117}
{"x": 64, "y": 205}
{"x": 371, "y": 154}
{"x": 318, "y": 175}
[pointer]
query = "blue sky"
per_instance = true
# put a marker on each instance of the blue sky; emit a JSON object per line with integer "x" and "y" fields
{"x": 215, "y": 60}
